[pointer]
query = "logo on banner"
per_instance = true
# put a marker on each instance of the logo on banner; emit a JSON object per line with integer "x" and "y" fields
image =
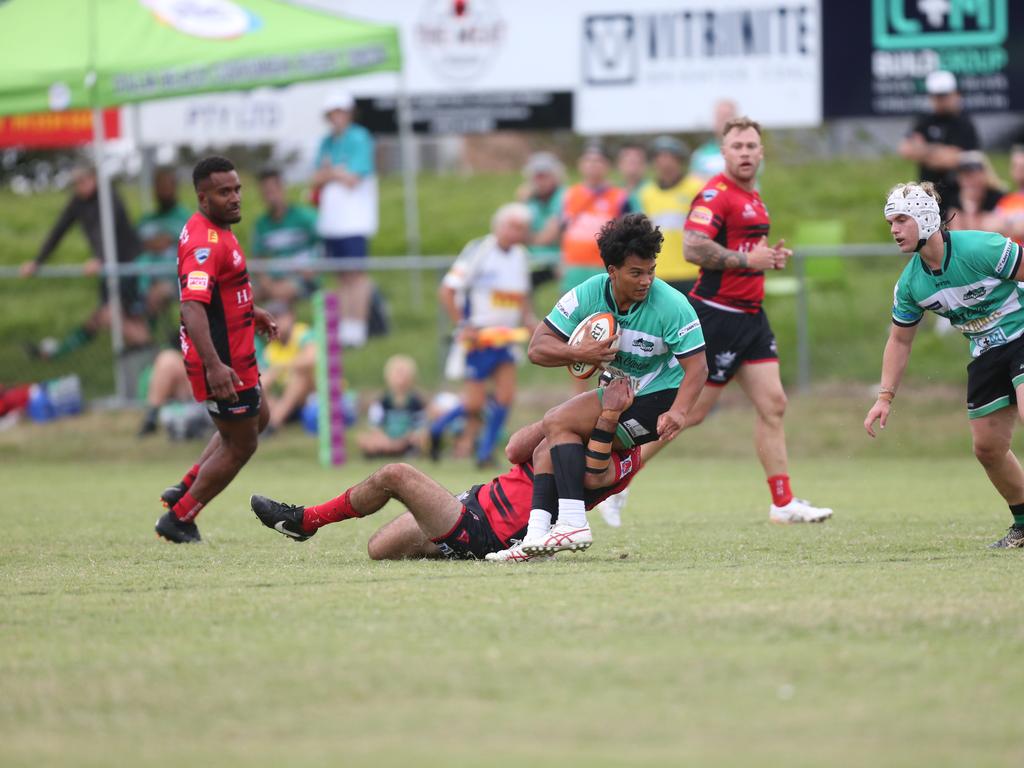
{"x": 460, "y": 39}
{"x": 609, "y": 49}
{"x": 209, "y": 19}
{"x": 939, "y": 23}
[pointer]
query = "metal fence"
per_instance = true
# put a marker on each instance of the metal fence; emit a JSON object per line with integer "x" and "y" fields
{"x": 802, "y": 303}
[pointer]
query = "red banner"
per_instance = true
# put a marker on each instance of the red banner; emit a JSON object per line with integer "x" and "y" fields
{"x": 51, "y": 130}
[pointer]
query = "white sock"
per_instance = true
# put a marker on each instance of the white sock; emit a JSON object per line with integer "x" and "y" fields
{"x": 540, "y": 524}
{"x": 572, "y": 512}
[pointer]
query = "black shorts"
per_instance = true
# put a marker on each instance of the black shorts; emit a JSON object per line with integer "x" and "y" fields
{"x": 472, "y": 536}
{"x": 248, "y": 405}
{"x": 132, "y": 303}
{"x": 732, "y": 339}
{"x": 993, "y": 378}
{"x": 638, "y": 424}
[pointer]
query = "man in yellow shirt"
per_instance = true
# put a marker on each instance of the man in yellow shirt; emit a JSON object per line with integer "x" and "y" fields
{"x": 666, "y": 200}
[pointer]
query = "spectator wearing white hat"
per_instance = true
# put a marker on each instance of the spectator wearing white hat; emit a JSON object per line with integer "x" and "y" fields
{"x": 346, "y": 183}
{"x": 936, "y": 140}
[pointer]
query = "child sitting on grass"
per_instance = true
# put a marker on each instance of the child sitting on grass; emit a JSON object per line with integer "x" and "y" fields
{"x": 397, "y": 419}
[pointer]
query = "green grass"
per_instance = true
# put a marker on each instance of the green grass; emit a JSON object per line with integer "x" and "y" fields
{"x": 696, "y": 634}
{"x": 849, "y": 319}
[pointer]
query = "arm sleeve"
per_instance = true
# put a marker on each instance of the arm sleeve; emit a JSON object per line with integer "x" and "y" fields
{"x": 460, "y": 274}
{"x": 994, "y": 254}
{"x": 570, "y": 310}
{"x": 707, "y": 216}
{"x": 197, "y": 272}
{"x": 683, "y": 334}
{"x": 905, "y": 312}
{"x": 64, "y": 222}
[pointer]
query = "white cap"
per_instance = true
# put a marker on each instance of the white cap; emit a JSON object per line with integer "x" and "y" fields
{"x": 913, "y": 201}
{"x": 940, "y": 82}
{"x": 338, "y": 100}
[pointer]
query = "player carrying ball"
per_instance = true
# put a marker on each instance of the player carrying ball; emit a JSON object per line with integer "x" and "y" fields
{"x": 973, "y": 279}
{"x": 218, "y": 326}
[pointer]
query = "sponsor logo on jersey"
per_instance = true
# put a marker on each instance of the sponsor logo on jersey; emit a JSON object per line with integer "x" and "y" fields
{"x": 1007, "y": 250}
{"x": 625, "y": 466}
{"x": 197, "y": 281}
{"x": 974, "y": 293}
{"x": 236, "y": 258}
{"x": 721, "y": 186}
{"x": 701, "y": 215}
{"x": 687, "y": 328}
{"x": 644, "y": 345}
{"x": 202, "y": 254}
{"x": 635, "y": 428}
{"x": 708, "y": 195}
{"x": 211, "y": 235}
{"x": 183, "y": 237}
{"x": 748, "y": 211}
{"x": 567, "y": 304}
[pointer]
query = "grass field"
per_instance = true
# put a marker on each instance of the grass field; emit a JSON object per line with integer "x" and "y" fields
{"x": 697, "y": 634}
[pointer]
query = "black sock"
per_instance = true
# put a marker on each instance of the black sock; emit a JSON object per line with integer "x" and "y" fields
{"x": 545, "y": 495}
{"x": 1017, "y": 510}
{"x": 570, "y": 465}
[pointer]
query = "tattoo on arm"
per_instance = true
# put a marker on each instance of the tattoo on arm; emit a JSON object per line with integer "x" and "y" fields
{"x": 701, "y": 249}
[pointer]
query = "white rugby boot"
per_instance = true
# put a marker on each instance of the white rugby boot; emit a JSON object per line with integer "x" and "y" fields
{"x": 513, "y": 554}
{"x": 798, "y": 511}
{"x": 560, "y": 538}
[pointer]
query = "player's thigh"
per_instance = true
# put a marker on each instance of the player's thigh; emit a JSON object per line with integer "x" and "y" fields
{"x": 762, "y": 383}
{"x": 400, "y": 539}
{"x": 474, "y": 396}
{"x": 435, "y": 509}
{"x": 578, "y": 414}
{"x": 994, "y": 431}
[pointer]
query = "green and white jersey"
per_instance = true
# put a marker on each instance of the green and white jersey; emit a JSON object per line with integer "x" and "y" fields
{"x": 653, "y": 332}
{"x": 974, "y": 289}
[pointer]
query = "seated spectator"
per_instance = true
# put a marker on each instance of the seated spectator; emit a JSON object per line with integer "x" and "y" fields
{"x": 1010, "y": 208}
{"x": 398, "y": 418}
{"x": 980, "y": 192}
{"x": 288, "y": 366}
{"x": 159, "y": 231}
{"x": 284, "y": 231}
{"x": 167, "y": 383}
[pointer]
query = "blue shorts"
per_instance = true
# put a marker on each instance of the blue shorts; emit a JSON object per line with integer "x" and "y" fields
{"x": 354, "y": 247}
{"x": 481, "y": 363}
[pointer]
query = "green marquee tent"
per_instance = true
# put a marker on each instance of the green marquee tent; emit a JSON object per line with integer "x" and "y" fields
{"x": 68, "y": 54}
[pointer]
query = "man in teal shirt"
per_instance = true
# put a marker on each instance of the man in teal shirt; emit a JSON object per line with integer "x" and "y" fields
{"x": 159, "y": 231}
{"x": 659, "y": 345}
{"x": 973, "y": 279}
{"x": 284, "y": 231}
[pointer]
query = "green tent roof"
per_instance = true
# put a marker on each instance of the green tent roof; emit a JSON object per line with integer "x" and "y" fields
{"x": 151, "y": 49}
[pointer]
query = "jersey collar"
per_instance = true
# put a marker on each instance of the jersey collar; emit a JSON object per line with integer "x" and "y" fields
{"x": 947, "y": 247}
{"x": 610, "y": 301}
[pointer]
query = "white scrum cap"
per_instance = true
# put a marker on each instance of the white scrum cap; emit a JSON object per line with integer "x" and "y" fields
{"x": 913, "y": 201}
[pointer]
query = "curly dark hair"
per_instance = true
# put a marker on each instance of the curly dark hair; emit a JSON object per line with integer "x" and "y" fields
{"x": 208, "y": 166}
{"x": 630, "y": 234}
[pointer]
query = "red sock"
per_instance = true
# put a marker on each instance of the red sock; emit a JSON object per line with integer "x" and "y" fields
{"x": 187, "y": 508}
{"x": 779, "y": 485}
{"x": 339, "y": 508}
{"x": 190, "y": 476}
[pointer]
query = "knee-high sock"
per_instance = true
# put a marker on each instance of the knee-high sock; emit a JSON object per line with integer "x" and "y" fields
{"x": 496, "y": 416}
{"x": 570, "y": 465}
{"x": 542, "y": 505}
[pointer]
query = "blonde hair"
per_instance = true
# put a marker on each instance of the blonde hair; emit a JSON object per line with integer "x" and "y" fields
{"x": 397, "y": 364}
{"x": 925, "y": 186}
{"x": 740, "y": 124}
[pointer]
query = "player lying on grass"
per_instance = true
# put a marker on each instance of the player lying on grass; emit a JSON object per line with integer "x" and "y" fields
{"x": 973, "y": 279}
{"x": 660, "y": 345}
{"x": 486, "y": 521}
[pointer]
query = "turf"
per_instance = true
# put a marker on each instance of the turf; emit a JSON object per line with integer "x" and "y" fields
{"x": 696, "y": 634}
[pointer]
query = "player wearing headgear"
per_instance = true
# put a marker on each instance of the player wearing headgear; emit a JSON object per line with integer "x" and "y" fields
{"x": 971, "y": 278}
{"x": 660, "y": 345}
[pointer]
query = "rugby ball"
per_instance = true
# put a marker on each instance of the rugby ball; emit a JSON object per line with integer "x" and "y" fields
{"x": 602, "y": 325}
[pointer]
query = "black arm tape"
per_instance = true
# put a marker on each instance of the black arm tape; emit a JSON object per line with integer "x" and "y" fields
{"x": 598, "y": 455}
{"x": 601, "y": 436}
{"x": 591, "y": 471}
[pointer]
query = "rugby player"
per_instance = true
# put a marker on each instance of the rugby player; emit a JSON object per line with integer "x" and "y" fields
{"x": 973, "y": 279}
{"x": 485, "y": 522}
{"x": 726, "y": 234}
{"x": 659, "y": 347}
{"x": 218, "y": 326}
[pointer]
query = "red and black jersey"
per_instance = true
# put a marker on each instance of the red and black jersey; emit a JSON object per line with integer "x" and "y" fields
{"x": 212, "y": 271}
{"x": 507, "y": 498}
{"x": 736, "y": 219}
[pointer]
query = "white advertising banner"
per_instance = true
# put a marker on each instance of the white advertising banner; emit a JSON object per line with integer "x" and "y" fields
{"x": 598, "y": 66}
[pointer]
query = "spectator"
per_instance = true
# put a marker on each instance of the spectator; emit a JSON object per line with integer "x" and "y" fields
{"x": 288, "y": 366}
{"x": 707, "y": 161}
{"x": 666, "y": 200}
{"x": 284, "y": 231}
{"x": 980, "y": 193}
{"x": 936, "y": 140}
{"x": 487, "y": 290}
{"x": 398, "y": 419}
{"x": 347, "y": 193}
{"x": 1010, "y": 208}
{"x": 84, "y": 209}
{"x": 168, "y": 383}
{"x": 631, "y": 163}
{"x": 585, "y": 209}
{"x": 159, "y": 231}
{"x": 543, "y": 194}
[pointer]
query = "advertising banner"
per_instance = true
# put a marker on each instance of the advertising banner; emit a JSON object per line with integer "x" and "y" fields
{"x": 53, "y": 130}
